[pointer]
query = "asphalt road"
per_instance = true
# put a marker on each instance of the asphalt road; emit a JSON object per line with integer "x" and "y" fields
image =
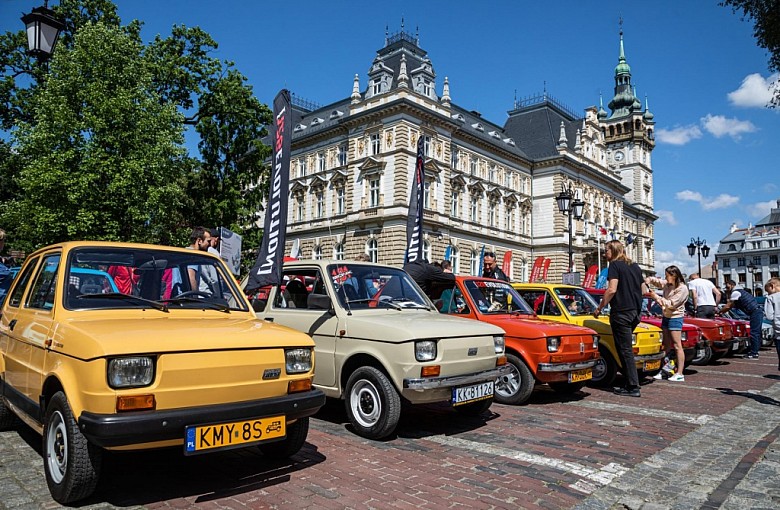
{"x": 710, "y": 442}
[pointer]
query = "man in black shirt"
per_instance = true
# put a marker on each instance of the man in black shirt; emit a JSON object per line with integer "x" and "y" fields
{"x": 624, "y": 295}
{"x": 428, "y": 275}
{"x": 491, "y": 269}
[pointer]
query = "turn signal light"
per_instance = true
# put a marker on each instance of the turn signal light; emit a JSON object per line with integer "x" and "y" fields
{"x": 299, "y": 385}
{"x": 430, "y": 371}
{"x": 636, "y": 351}
{"x": 135, "y": 403}
{"x": 501, "y": 361}
{"x": 556, "y": 359}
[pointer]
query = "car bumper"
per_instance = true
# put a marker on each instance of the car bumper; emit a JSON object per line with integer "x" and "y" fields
{"x": 431, "y": 383}
{"x": 724, "y": 345}
{"x": 113, "y": 430}
{"x": 565, "y": 367}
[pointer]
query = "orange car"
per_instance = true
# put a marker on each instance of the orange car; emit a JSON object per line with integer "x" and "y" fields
{"x": 539, "y": 351}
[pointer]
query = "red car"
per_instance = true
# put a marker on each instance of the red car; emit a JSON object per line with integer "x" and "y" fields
{"x": 692, "y": 340}
{"x": 539, "y": 351}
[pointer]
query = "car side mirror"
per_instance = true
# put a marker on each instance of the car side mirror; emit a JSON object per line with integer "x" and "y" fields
{"x": 318, "y": 302}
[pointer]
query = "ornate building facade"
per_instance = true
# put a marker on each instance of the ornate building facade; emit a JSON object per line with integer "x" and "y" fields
{"x": 486, "y": 184}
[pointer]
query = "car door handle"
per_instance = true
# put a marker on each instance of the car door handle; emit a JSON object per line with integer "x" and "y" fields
{"x": 12, "y": 324}
{"x": 269, "y": 319}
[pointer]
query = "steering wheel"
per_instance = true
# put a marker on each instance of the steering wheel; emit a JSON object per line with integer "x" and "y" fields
{"x": 198, "y": 293}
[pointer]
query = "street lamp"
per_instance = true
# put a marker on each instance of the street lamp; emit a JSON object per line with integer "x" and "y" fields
{"x": 43, "y": 30}
{"x": 569, "y": 205}
{"x": 752, "y": 270}
{"x": 698, "y": 246}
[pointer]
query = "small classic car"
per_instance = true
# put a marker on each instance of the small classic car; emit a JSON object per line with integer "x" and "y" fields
{"x": 693, "y": 342}
{"x": 379, "y": 341}
{"x": 169, "y": 364}
{"x": 572, "y": 304}
{"x": 538, "y": 351}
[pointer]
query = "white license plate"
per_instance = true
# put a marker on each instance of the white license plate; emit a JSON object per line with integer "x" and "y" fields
{"x": 735, "y": 346}
{"x": 473, "y": 393}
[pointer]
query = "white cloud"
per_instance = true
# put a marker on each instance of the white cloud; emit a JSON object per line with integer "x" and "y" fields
{"x": 667, "y": 216}
{"x": 678, "y": 136}
{"x": 720, "y": 126}
{"x": 722, "y": 201}
{"x": 761, "y": 209}
{"x": 755, "y": 91}
{"x": 769, "y": 187}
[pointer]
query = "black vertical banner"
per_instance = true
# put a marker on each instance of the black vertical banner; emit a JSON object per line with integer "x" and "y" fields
{"x": 268, "y": 267}
{"x": 414, "y": 220}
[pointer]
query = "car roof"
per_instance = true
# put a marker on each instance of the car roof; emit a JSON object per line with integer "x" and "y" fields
{"x": 70, "y": 245}
{"x": 549, "y": 286}
{"x": 327, "y": 262}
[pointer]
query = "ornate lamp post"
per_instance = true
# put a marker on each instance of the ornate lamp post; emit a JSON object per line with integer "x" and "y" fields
{"x": 569, "y": 205}
{"x": 698, "y": 246}
{"x": 43, "y": 30}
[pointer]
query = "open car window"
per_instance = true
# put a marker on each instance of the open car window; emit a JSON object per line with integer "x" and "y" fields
{"x": 173, "y": 279}
{"x": 576, "y": 301}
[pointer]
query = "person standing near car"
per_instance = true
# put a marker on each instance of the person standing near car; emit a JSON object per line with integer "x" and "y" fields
{"x": 491, "y": 269}
{"x": 624, "y": 296}
{"x": 744, "y": 300}
{"x": 772, "y": 311}
{"x": 705, "y": 296}
{"x": 200, "y": 240}
{"x": 672, "y": 301}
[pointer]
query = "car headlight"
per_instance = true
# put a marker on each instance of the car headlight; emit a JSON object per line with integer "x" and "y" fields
{"x": 498, "y": 343}
{"x": 425, "y": 350}
{"x": 633, "y": 338}
{"x": 595, "y": 341}
{"x": 553, "y": 343}
{"x": 131, "y": 372}
{"x": 297, "y": 361}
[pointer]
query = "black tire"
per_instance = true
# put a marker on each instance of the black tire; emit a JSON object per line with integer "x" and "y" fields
{"x": 517, "y": 386}
{"x": 474, "y": 408}
{"x": 566, "y": 388}
{"x": 717, "y": 355}
{"x": 71, "y": 463}
{"x": 7, "y": 418}
{"x": 605, "y": 369}
{"x": 705, "y": 358}
{"x": 296, "y": 437}
{"x": 373, "y": 405}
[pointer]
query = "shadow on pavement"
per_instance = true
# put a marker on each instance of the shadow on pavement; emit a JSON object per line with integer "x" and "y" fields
{"x": 761, "y": 399}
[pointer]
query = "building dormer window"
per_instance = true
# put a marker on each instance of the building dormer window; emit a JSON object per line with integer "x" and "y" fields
{"x": 458, "y": 117}
{"x": 335, "y": 114}
{"x": 495, "y": 134}
{"x": 509, "y": 141}
{"x": 426, "y": 88}
{"x": 316, "y": 121}
{"x": 299, "y": 128}
{"x": 479, "y": 127}
{"x": 376, "y": 86}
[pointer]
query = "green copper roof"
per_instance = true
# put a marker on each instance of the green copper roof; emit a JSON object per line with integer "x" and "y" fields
{"x": 622, "y": 67}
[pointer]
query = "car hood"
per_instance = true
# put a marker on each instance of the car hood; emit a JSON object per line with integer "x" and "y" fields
{"x": 526, "y": 327}
{"x": 95, "y": 338}
{"x": 406, "y": 325}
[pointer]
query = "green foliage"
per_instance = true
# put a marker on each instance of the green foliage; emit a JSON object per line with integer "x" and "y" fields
{"x": 94, "y": 145}
{"x": 765, "y": 15}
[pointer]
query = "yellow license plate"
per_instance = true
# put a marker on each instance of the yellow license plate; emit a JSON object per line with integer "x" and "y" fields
{"x": 201, "y": 438}
{"x": 580, "y": 375}
{"x": 652, "y": 365}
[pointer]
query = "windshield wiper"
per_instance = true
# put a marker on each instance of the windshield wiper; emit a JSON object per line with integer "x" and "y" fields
{"x": 407, "y": 300}
{"x": 118, "y": 295}
{"x": 206, "y": 304}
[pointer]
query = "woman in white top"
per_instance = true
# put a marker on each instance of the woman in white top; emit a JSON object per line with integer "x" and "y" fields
{"x": 672, "y": 301}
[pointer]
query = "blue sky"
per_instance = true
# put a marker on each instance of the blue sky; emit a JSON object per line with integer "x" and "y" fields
{"x": 715, "y": 161}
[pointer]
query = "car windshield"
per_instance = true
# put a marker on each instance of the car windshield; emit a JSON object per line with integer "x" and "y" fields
{"x": 496, "y": 297}
{"x": 577, "y": 301}
{"x": 113, "y": 277}
{"x": 361, "y": 286}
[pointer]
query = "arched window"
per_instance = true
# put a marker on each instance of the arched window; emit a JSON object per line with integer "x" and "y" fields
{"x": 455, "y": 259}
{"x": 372, "y": 250}
{"x": 474, "y": 263}
{"x": 316, "y": 253}
{"x": 338, "y": 251}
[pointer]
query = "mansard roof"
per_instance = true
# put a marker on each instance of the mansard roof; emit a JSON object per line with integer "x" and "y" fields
{"x": 535, "y": 125}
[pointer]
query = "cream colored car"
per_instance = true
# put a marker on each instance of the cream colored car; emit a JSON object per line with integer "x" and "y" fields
{"x": 379, "y": 340}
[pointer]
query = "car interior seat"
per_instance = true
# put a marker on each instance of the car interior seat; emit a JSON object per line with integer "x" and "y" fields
{"x": 297, "y": 292}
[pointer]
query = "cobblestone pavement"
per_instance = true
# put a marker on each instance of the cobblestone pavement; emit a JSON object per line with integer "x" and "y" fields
{"x": 710, "y": 442}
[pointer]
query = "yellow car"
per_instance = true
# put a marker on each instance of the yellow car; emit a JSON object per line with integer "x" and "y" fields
{"x": 567, "y": 303}
{"x": 115, "y": 346}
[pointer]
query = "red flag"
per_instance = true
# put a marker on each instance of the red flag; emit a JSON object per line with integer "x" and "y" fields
{"x": 507, "y": 263}
{"x": 546, "y": 267}
{"x": 590, "y": 277}
{"x": 537, "y": 268}
{"x": 603, "y": 231}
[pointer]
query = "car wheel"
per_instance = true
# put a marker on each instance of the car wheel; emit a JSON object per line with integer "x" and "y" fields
{"x": 566, "y": 388}
{"x": 515, "y": 387}
{"x": 717, "y": 355}
{"x": 373, "y": 405}
{"x": 71, "y": 463}
{"x": 474, "y": 408}
{"x": 296, "y": 436}
{"x": 704, "y": 358}
{"x": 604, "y": 370}
{"x": 7, "y": 418}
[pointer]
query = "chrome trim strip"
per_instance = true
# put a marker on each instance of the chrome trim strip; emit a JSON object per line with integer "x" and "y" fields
{"x": 430, "y": 383}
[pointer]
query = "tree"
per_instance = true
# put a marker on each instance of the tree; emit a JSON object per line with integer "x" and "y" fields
{"x": 78, "y": 137}
{"x": 765, "y": 15}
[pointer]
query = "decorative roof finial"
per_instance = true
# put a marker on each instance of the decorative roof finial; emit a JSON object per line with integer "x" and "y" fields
{"x": 417, "y": 35}
{"x": 578, "y": 142}
{"x": 387, "y": 34}
{"x": 562, "y": 140}
{"x": 403, "y": 78}
{"x": 356, "y": 90}
{"x": 648, "y": 115}
{"x": 402, "y": 23}
{"x": 515, "y": 102}
{"x": 445, "y": 96}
